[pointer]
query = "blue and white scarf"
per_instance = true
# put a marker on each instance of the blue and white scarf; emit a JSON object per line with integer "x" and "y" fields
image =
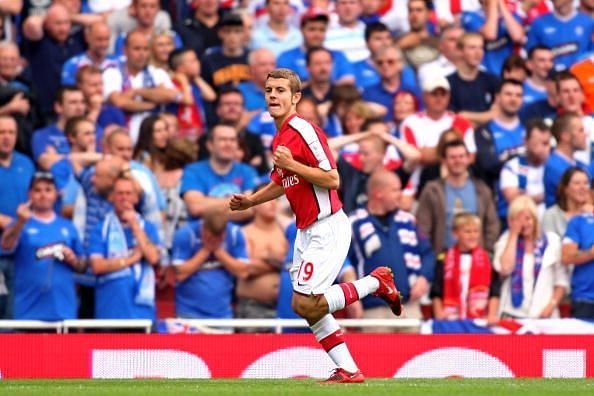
{"x": 407, "y": 234}
{"x": 517, "y": 279}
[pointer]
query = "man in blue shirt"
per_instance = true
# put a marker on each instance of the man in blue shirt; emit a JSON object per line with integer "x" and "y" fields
{"x": 261, "y": 61}
{"x": 123, "y": 249}
{"x": 385, "y": 235}
{"x": 205, "y": 185}
{"x": 48, "y": 250}
{"x": 16, "y": 171}
{"x": 314, "y": 25}
{"x": 208, "y": 254}
{"x": 539, "y": 64}
{"x": 567, "y": 32}
{"x": 500, "y": 28}
{"x": 97, "y": 37}
{"x": 377, "y": 36}
{"x": 568, "y": 131}
{"x": 578, "y": 251}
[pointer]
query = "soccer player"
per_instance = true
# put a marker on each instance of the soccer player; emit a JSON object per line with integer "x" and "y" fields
{"x": 305, "y": 171}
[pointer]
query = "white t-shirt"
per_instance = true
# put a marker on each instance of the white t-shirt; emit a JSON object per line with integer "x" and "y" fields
{"x": 586, "y": 156}
{"x": 351, "y": 41}
{"x": 114, "y": 81}
{"x": 534, "y": 179}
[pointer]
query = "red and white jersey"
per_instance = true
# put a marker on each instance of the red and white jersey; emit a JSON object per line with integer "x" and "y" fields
{"x": 423, "y": 132}
{"x": 308, "y": 145}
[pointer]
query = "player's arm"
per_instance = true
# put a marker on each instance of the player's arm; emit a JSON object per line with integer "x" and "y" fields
{"x": 268, "y": 193}
{"x": 328, "y": 179}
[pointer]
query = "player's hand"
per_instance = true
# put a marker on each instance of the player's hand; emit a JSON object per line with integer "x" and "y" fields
{"x": 240, "y": 202}
{"x": 282, "y": 158}
{"x": 23, "y": 211}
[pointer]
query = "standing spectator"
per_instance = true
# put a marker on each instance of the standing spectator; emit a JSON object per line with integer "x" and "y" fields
{"x": 383, "y": 233}
{"x": 190, "y": 111}
{"x": 389, "y": 63}
{"x": 529, "y": 262}
{"x": 524, "y": 174}
{"x": 47, "y": 52}
{"x": 572, "y": 199}
{"x": 449, "y": 56}
{"x": 208, "y": 255}
{"x": 500, "y": 28}
{"x": 199, "y": 32}
{"x": 466, "y": 286}
{"x": 123, "y": 249}
{"x": 347, "y": 33}
{"x": 16, "y": 171}
{"x": 262, "y": 61}
{"x": 457, "y": 192}
{"x": 206, "y": 184}
{"x": 539, "y": 64}
{"x": 228, "y": 64}
{"x": 276, "y": 34}
{"x": 473, "y": 90}
{"x": 314, "y": 24}
{"x": 97, "y": 38}
{"x": 90, "y": 82}
{"x": 137, "y": 87}
{"x": 319, "y": 67}
{"x": 502, "y": 137}
{"x": 47, "y": 250}
{"x": 568, "y": 131}
{"x": 419, "y": 44}
{"x": 568, "y": 33}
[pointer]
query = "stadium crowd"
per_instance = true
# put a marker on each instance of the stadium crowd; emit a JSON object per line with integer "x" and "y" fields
{"x": 463, "y": 132}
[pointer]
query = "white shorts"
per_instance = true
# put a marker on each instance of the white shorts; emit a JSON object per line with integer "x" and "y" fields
{"x": 319, "y": 253}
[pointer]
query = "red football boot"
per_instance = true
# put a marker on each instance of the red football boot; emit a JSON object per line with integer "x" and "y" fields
{"x": 387, "y": 289}
{"x": 341, "y": 376}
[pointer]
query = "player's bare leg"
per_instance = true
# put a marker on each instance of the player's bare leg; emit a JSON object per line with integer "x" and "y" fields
{"x": 318, "y": 309}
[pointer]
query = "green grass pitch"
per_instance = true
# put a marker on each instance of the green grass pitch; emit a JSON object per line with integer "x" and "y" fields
{"x": 305, "y": 387}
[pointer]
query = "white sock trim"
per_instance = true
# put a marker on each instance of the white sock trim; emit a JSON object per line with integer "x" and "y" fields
{"x": 366, "y": 285}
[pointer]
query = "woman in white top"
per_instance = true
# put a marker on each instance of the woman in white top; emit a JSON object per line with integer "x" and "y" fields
{"x": 528, "y": 261}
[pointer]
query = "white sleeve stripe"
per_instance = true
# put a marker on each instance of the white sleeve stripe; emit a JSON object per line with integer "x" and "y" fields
{"x": 307, "y": 132}
{"x": 568, "y": 240}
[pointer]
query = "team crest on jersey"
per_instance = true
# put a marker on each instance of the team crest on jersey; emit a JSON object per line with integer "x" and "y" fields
{"x": 579, "y": 30}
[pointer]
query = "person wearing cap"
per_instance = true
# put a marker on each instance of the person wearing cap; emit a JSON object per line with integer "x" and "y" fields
{"x": 48, "y": 252}
{"x": 423, "y": 129}
{"x": 276, "y": 34}
{"x": 314, "y": 25}
{"x": 227, "y": 65}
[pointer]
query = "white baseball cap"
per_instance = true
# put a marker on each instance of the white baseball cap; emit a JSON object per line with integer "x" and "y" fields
{"x": 432, "y": 84}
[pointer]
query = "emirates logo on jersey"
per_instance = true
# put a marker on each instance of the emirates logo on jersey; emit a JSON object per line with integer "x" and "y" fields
{"x": 280, "y": 172}
{"x": 290, "y": 181}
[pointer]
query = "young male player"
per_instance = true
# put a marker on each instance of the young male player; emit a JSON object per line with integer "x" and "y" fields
{"x": 305, "y": 171}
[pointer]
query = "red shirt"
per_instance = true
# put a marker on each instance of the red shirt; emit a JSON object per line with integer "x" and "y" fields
{"x": 308, "y": 145}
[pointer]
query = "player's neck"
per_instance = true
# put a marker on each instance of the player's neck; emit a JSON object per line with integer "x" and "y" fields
{"x": 281, "y": 120}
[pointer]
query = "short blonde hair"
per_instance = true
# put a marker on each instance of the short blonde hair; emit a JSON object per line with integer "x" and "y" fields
{"x": 287, "y": 74}
{"x": 465, "y": 218}
{"x": 521, "y": 203}
{"x": 467, "y": 36}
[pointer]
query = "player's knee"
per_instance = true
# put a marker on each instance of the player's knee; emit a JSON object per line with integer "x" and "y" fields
{"x": 307, "y": 307}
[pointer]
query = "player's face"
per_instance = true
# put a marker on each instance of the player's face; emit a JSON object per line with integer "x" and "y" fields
{"x": 279, "y": 99}
{"x": 8, "y": 136}
{"x": 538, "y": 147}
{"x": 468, "y": 236}
{"x": 43, "y": 195}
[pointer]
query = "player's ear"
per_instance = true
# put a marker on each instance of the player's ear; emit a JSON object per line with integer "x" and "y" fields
{"x": 296, "y": 98}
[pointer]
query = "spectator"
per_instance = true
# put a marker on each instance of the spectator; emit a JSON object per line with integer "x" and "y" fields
{"x": 90, "y": 82}
{"x": 343, "y": 96}
{"x": 97, "y": 38}
{"x": 572, "y": 199}
{"x": 208, "y": 255}
{"x": 529, "y": 262}
{"x": 16, "y": 171}
{"x": 568, "y": 33}
{"x": 161, "y": 45}
{"x": 500, "y": 28}
{"x": 276, "y": 34}
{"x": 69, "y": 103}
{"x": 545, "y": 108}
{"x": 199, "y": 32}
{"x": 473, "y": 90}
{"x": 206, "y": 184}
{"x": 137, "y": 87}
{"x": 352, "y": 123}
{"x": 568, "y": 131}
{"x": 261, "y": 61}
{"x": 514, "y": 68}
{"x": 228, "y": 65}
{"x": 577, "y": 251}
{"x": 314, "y": 24}
{"x": 404, "y": 105}
{"x": 47, "y": 250}
{"x": 308, "y": 110}
{"x": 152, "y": 143}
{"x": 449, "y": 56}
{"x": 319, "y": 67}
{"x": 390, "y": 64}
{"x": 347, "y": 33}
{"x": 375, "y": 230}
{"x": 586, "y": 7}
{"x": 47, "y": 50}
{"x": 583, "y": 70}
{"x": 419, "y": 44}
{"x": 457, "y": 192}
{"x": 539, "y": 64}
{"x": 524, "y": 174}
{"x": 466, "y": 286}
{"x": 190, "y": 111}
{"x": 267, "y": 247}
{"x": 502, "y": 137}
{"x": 123, "y": 249}
{"x": 377, "y": 36}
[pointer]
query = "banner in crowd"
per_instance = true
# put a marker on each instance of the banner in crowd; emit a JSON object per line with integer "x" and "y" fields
{"x": 509, "y": 326}
{"x": 292, "y": 355}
